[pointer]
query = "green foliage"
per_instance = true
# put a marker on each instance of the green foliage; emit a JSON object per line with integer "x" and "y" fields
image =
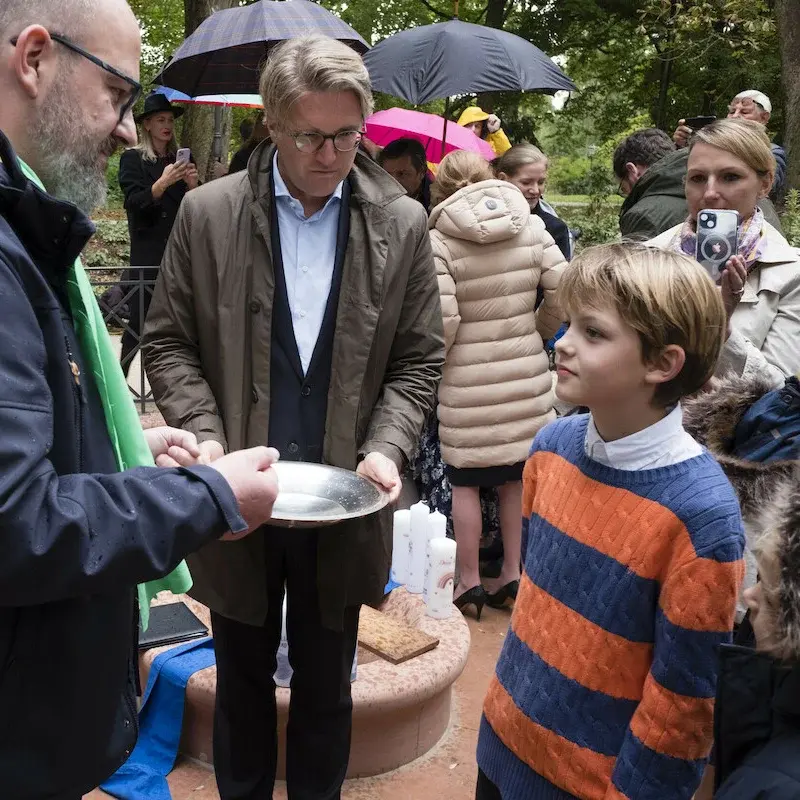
{"x": 598, "y": 222}
{"x": 790, "y": 219}
{"x": 115, "y": 197}
{"x": 162, "y": 23}
{"x": 569, "y": 175}
{"x": 588, "y": 175}
{"x": 110, "y": 246}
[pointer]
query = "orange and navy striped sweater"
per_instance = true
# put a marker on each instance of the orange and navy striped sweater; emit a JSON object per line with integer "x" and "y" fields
{"x": 605, "y": 685}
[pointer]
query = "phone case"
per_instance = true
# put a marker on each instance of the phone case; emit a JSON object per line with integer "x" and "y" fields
{"x": 717, "y": 239}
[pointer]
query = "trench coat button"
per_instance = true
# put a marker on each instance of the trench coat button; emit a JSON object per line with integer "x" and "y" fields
{"x": 163, "y": 215}
{"x": 306, "y": 392}
{"x": 127, "y": 723}
{"x": 255, "y": 395}
{"x": 293, "y": 448}
{"x": 255, "y": 306}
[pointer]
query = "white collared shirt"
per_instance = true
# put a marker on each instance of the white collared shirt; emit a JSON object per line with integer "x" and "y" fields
{"x": 659, "y": 445}
{"x": 308, "y": 251}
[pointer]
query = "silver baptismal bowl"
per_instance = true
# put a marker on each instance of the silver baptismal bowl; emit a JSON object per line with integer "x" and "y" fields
{"x": 313, "y": 495}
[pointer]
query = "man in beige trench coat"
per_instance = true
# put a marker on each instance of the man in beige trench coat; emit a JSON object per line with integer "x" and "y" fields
{"x": 297, "y": 305}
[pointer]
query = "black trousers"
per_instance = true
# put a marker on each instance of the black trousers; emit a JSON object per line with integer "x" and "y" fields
{"x": 486, "y": 790}
{"x": 138, "y": 306}
{"x": 320, "y": 710}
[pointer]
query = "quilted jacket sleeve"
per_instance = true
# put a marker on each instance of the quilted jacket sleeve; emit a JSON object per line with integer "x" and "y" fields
{"x": 447, "y": 292}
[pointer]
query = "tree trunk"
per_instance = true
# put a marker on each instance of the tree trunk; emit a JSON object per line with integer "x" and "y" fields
{"x": 788, "y": 21}
{"x": 665, "y": 76}
{"x": 198, "y": 125}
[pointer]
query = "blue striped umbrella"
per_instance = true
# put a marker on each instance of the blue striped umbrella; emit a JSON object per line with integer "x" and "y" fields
{"x": 226, "y": 53}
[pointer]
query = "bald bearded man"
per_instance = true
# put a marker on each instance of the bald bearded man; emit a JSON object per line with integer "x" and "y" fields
{"x": 76, "y": 534}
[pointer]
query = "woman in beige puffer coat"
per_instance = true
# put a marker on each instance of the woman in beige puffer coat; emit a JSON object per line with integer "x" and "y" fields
{"x": 491, "y": 255}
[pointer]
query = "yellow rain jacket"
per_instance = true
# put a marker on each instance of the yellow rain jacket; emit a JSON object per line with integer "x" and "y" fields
{"x": 498, "y": 140}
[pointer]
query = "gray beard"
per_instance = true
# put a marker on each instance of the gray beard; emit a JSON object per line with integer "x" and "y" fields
{"x": 69, "y": 162}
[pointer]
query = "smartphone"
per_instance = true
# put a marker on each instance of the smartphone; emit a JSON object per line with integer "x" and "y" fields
{"x": 717, "y": 239}
{"x": 695, "y": 123}
{"x": 183, "y": 156}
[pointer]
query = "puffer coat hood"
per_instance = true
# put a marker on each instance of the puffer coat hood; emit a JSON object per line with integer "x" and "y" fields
{"x": 485, "y": 212}
{"x": 491, "y": 255}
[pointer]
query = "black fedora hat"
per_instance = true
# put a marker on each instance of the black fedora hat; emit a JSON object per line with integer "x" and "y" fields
{"x": 156, "y": 103}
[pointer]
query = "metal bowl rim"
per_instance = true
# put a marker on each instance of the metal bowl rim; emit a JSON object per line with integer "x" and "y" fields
{"x": 381, "y": 502}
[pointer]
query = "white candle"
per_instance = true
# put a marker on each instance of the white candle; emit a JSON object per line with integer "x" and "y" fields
{"x": 401, "y": 536}
{"x": 440, "y": 578}
{"x": 437, "y": 529}
{"x": 418, "y": 549}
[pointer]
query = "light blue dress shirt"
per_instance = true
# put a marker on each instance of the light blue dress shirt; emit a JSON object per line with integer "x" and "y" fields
{"x": 308, "y": 250}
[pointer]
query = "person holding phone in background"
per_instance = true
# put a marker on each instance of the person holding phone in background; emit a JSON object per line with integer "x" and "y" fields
{"x": 154, "y": 177}
{"x": 750, "y": 104}
{"x": 731, "y": 167}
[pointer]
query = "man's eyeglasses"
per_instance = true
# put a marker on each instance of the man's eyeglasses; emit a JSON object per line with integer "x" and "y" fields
{"x": 344, "y": 141}
{"x": 136, "y": 87}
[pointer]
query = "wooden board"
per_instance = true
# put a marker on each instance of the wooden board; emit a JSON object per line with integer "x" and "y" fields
{"x": 391, "y": 639}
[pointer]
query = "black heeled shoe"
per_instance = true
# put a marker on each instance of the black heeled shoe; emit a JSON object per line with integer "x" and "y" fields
{"x": 476, "y": 596}
{"x": 508, "y": 592}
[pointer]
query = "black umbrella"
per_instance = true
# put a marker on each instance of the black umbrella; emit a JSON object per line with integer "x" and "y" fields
{"x": 437, "y": 61}
{"x": 225, "y": 54}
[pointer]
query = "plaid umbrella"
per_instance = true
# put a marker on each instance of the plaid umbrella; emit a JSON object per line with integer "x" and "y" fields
{"x": 226, "y": 53}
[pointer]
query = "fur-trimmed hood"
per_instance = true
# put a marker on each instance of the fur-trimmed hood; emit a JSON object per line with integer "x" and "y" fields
{"x": 712, "y": 417}
{"x": 769, "y": 492}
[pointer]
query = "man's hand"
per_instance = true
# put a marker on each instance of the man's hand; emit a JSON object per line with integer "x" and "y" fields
{"x": 254, "y": 484}
{"x": 493, "y": 123}
{"x": 192, "y": 178}
{"x": 383, "y": 471}
{"x": 173, "y": 452}
{"x": 219, "y": 170}
{"x": 682, "y": 133}
{"x": 210, "y": 451}
{"x": 182, "y": 444}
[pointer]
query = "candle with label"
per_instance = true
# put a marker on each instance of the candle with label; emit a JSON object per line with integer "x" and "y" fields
{"x": 437, "y": 529}
{"x": 440, "y": 578}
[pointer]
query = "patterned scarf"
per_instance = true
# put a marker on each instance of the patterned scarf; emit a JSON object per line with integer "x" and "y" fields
{"x": 751, "y": 239}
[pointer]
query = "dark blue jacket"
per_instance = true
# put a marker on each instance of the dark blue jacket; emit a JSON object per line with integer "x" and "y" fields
{"x": 756, "y": 727}
{"x": 770, "y": 429}
{"x": 75, "y": 534}
{"x": 779, "y": 183}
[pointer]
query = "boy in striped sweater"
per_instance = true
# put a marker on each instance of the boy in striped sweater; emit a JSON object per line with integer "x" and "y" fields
{"x": 632, "y": 551}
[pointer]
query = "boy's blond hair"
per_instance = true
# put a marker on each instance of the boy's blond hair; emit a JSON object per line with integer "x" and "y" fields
{"x": 457, "y": 170}
{"x": 666, "y": 297}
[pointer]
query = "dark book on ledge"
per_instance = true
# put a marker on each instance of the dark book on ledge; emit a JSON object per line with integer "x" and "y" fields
{"x": 171, "y": 624}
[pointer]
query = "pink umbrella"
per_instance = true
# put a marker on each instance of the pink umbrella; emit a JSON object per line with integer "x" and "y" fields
{"x": 399, "y": 123}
